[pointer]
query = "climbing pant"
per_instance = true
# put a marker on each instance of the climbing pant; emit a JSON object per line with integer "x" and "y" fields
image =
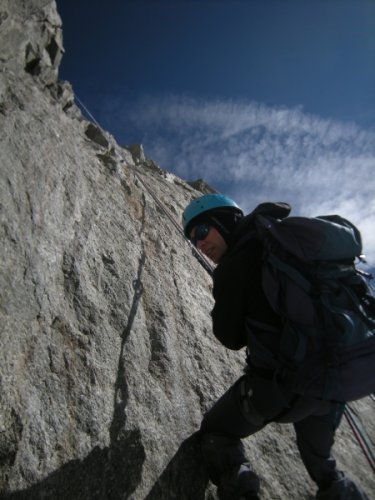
{"x": 247, "y": 407}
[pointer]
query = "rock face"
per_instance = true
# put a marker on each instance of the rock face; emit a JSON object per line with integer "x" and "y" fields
{"x": 107, "y": 362}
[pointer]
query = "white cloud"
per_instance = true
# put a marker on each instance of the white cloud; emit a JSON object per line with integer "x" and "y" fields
{"x": 256, "y": 153}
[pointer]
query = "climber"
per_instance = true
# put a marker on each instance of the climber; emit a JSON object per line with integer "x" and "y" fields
{"x": 217, "y": 226}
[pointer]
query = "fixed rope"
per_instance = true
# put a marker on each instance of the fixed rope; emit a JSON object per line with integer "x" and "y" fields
{"x": 361, "y": 436}
{"x": 197, "y": 254}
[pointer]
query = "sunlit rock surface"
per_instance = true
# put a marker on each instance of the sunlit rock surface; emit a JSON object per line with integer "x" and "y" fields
{"x": 107, "y": 361}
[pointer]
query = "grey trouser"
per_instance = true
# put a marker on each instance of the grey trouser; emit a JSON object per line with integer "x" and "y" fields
{"x": 248, "y": 406}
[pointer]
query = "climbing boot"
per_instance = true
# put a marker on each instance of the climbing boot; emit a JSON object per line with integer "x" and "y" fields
{"x": 238, "y": 483}
{"x": 343, "y": 488}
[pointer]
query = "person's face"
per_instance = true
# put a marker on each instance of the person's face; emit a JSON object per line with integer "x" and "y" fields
{"x": 209, "y": 241}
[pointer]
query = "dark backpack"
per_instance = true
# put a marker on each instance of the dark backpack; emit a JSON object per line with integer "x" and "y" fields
{"x": 327, "y": 345}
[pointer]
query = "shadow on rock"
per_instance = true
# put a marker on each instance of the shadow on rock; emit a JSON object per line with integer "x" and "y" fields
{"x": 114, "y": 473}
{"x": 184, "y": 478}
{"x": 105, "y": 474}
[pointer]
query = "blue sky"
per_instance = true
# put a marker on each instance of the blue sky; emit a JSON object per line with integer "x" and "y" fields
{"x": 265, "y": 99}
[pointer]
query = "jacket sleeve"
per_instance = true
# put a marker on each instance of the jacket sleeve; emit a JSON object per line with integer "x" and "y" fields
{"x": 232, "y": 293}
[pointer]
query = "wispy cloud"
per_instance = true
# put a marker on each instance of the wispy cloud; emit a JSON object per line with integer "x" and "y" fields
{"x": 255, "y": 153}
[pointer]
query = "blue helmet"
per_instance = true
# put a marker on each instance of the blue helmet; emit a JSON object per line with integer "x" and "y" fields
{"x": 204, "y": 204}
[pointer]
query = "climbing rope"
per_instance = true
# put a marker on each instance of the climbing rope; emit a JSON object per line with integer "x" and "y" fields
{"x": 87, "y": 111}
{"x": 357, "y": 429}
{"x": 197, "y": 254}
{"x": 360, "y": 435}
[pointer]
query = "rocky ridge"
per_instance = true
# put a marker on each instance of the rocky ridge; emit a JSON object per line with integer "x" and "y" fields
{"x": 107, "y": 362}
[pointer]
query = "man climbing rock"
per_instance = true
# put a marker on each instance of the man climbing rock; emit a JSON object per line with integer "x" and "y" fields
{"x": 243, "y": 316}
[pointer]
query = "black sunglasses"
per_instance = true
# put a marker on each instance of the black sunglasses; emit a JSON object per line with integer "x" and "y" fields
{"x": 201, "y": 233}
